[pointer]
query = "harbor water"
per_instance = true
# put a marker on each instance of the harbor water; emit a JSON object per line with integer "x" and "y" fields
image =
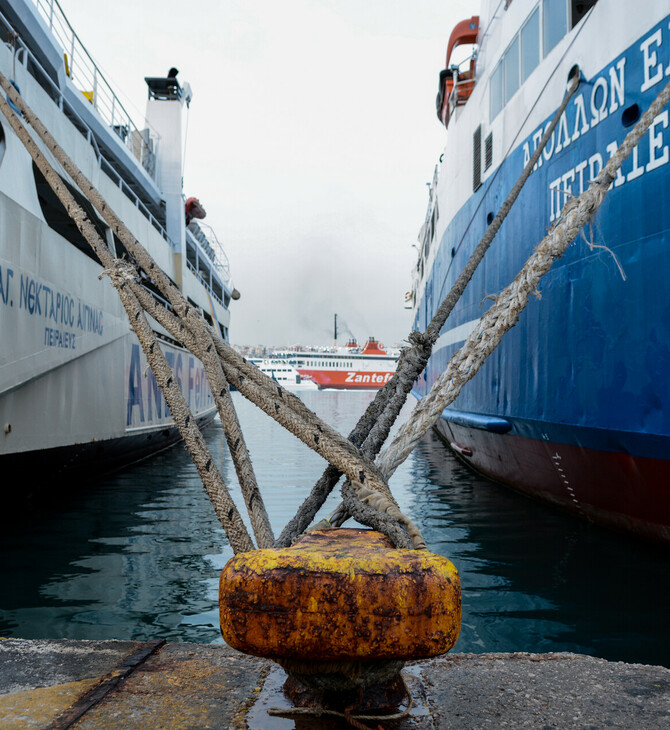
{"x": 137, "y": 555}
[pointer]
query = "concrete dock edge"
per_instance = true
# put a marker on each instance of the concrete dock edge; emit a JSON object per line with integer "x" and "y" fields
{"x": 121, "y": 684}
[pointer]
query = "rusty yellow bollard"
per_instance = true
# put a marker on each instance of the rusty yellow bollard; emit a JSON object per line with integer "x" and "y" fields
{"x": 341, "y": 609}
{"x": 343, "y": 594}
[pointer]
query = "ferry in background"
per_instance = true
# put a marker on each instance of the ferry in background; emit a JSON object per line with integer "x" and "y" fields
{"x": 574, "y": 405}
{"x": 76, "y": 395}
{"x": 345, "y": 368}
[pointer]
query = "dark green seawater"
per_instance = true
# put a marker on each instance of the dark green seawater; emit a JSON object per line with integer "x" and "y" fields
{"x": 137, "y": 555}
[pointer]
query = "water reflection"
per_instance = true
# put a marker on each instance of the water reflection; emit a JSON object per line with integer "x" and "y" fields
{"x": 123, "y": 559}
{"x": 137, "y": 555}
{"x": 535, "y": 579}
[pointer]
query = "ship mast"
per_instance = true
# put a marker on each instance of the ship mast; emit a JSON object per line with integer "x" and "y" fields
{"x": 335, "y": 331}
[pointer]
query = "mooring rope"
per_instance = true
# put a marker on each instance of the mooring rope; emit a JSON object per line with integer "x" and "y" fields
{"x": 434, "y": 328}
{"x": 120, "y": 277}
{"x": 413, "y": 360}
{"x": 366, "y": 493}
{"x": 204, "y": 349}
{"x": 286, "y": 408}
{"x": 383, "y": 410}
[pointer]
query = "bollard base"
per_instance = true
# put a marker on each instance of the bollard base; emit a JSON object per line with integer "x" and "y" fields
{"x": 384, "y": 698}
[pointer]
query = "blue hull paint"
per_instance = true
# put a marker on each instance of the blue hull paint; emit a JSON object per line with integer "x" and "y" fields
{"x": 588, "y": 364}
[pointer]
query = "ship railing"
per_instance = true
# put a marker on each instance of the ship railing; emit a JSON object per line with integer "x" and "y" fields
{"x": 155, "y": 294}
{"x": 201, "y": 263}
{"x": 87, "y": 77}
{"x": 432, "y": 195}
{"x": 211, "y": 245}
{"x": 201, "y": 278}
{"x": 461, "y": 93}
{"x": 27, "y": 59}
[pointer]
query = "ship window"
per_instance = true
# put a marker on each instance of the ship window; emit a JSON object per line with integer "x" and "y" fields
{"x": 2, "y": 143}
{"x": 59, "y": 220}
{"x": 580, "y": 8}
{"x": 530, "y": 45}
{"x": 554, "y": 23}
{"x": 204, "y": 272}
{"x": 511, "y": 69}
{"x": 488, "y": 151}
{"x": 191, "y": 255}
{"x": 477, "y": 158}
{"x": 496, "y": 91}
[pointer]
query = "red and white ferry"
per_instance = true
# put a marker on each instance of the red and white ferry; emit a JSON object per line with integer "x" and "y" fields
{"x": 348, "y": 368}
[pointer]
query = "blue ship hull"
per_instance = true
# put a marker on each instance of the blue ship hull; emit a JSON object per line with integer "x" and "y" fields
{"x": 574, "y": 405}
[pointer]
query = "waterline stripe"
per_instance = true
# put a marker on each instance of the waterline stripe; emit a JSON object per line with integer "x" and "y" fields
{"x": 455, "y": 335}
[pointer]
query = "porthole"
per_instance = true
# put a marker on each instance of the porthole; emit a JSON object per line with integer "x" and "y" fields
{"x": 630, "y": 115}
{"x": 489, "y": 219}
{"x": 2, "y": 143}
{"x": 574, "y": 71}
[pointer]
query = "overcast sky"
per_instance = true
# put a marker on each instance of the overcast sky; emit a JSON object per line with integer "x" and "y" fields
{"x": 311, "y": 137}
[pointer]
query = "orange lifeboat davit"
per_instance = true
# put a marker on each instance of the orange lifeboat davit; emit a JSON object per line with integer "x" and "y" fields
{"x": 456, "y": 85}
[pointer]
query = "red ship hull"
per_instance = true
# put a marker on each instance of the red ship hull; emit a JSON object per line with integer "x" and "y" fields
{"x": 608, "y": 488}
{"x": 347, "y": 379}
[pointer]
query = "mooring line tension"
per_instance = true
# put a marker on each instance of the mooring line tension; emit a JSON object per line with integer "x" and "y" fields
{"x": 284, "y": 407}
{"x": 509, "y": 304}
{"x": 366, "y": 491}
{"x": 413, "y": 360}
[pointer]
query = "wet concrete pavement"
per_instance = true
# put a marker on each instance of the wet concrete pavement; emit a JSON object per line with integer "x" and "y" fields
{"x": 123, "y": 684}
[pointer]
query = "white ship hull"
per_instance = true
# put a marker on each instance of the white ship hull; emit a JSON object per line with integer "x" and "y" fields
{"x": 284, "y": 374}
{"x": 76, "y": 395}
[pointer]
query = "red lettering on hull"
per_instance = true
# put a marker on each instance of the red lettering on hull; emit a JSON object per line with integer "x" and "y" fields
{"x": 347, "y": 379}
